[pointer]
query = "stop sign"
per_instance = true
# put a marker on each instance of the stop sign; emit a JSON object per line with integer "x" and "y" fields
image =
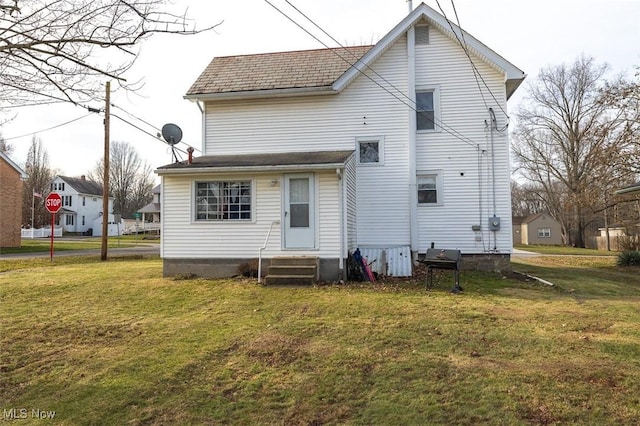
{"x": 53, "y": 202}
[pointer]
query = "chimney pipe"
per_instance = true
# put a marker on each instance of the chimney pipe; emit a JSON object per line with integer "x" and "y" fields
{"x": 190, "y": 152}
{"x": 410, "y": 3}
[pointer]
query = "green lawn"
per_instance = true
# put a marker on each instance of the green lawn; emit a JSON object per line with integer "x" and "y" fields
{"x": 115, "y": 343}
{"x": 63, "y": 244}
{"x": 563, "y": 250}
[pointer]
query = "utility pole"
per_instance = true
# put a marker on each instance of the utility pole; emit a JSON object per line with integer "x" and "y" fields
{"x": 105, "y": 186}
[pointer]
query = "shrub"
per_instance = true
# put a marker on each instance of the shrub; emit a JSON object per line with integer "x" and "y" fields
{"x": 249, "y": 269}
{"x": 629, "y": 258}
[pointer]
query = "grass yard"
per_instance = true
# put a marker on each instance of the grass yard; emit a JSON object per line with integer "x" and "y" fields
{"x": 40, "y": 245}
{"x": 565, "y": 250}
{"x": 115, "y": 343}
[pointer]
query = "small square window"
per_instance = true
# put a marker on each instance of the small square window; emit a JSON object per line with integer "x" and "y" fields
{"x": 429, "y": 188}
{"x": 370, "y": 150}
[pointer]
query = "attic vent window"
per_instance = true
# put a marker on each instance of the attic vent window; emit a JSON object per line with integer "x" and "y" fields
{"x": 422, "y": 35}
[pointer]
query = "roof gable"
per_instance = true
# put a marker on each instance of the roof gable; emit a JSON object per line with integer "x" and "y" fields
{"x": 13, "y": 165}
{"x": 327, "y": 70}
{"x": 423, "y": 13}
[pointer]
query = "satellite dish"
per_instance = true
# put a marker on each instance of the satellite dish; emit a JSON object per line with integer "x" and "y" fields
{"x": 171, "y": 133}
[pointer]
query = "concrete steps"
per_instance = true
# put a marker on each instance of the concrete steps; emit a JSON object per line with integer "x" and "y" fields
{"x": 292, "y": 270}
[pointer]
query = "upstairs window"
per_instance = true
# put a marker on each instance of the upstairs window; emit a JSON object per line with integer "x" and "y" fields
{"x": 425, "y": 110}
{"x": 66, "y": 200}
{"x": 223, "y": 200}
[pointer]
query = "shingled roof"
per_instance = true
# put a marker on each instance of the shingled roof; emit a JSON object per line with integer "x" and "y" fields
{"x": 273, "y": 71}
{"x": 83, "y": 186}
{"x": 317, "y": 159}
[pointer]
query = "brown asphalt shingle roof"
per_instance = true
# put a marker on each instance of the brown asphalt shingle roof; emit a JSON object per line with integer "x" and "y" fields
{"x": 84, "y": 186}
{"x": 264, "y": 160}
{"x": 282, "y": 70}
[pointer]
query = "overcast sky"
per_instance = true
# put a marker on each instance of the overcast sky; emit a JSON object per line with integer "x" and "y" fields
{"x": 530, "y": 34}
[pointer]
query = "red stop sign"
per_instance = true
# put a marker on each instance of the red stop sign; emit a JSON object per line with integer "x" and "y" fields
{"x": 53, "y": 202}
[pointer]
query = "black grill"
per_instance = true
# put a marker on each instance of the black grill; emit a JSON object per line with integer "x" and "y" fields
{"x": 443, "y": 259}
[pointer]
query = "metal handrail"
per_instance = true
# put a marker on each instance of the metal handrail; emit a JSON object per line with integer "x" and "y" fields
{"x": 264, "y": 246}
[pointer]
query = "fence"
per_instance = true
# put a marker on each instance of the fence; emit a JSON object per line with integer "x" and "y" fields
{"x": 41, "y": 232}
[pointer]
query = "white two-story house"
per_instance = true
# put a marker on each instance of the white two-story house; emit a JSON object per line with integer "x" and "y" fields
{"x": 81, "y": 204}
{"x": 391, "y": 148}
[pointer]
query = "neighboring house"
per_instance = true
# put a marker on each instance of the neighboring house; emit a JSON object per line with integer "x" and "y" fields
{"x": 81, "y": 204}
{"x": 306, "y": 155}
{"x": 151, "y": 212}
{"x": 11, "y": 176}
{"x": 538, "y": 228}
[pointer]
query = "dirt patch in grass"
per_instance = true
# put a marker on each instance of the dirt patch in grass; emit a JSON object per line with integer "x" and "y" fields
{"x": 275, "y": 349}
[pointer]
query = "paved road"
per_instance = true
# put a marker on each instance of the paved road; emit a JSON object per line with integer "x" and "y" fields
{"x": 147, "y": 249}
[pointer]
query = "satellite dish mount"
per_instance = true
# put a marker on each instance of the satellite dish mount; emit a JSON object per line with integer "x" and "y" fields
{"x": 172, "y": 134}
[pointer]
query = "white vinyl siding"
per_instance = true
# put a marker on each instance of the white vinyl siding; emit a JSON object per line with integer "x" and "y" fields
{"x": 349, "y": 180}
{"x": 184, "y": 237}
{"x": 333, "y": 122}
{"x": 377, "y": 197}
{"x": 463, "y": 163}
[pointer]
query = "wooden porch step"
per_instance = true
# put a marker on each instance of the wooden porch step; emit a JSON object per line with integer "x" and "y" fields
{"x": 289, "y": 280}
{"x": 292, "y": 270}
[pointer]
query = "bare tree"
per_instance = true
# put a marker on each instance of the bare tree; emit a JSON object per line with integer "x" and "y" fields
{"x": 130, "y": 178}
{"x": 5, "y": 146}
{"x": 54, "y": 50}
{"x": 38, "y": 181}
{"x": 571, "y": 144}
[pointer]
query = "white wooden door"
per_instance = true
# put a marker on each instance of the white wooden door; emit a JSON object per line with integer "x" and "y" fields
{"x": 299, "y": 211}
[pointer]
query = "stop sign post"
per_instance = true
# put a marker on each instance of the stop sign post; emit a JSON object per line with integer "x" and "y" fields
{"x": 53, "y": 203}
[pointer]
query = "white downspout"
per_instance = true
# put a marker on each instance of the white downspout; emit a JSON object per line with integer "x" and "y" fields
{"x": 202, "y": 108}
{"x": 413, "y": 188}
{"x": 343, "y": 222}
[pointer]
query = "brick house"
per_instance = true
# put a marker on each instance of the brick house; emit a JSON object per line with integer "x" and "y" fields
{"x": 11, "y": 176}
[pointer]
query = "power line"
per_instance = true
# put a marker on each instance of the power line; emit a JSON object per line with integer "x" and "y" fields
{"x": 466, "y": 51}
{"x": 47, "y": 129}
{"x": 144, "y": 131}
{"x": 412, "y": 105}
{"x": 146, "y": 122}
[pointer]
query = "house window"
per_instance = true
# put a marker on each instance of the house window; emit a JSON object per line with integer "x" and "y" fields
{"x": 69, "y": 219}
{"x": 427, "y": 109}
{"x": 370, "y": 150}
{"x": 223, "y": 200}
{"x": 544, "y": 232}
{"x": 82, "y": 220}
{"x": 66, "y": 200}
{"x": 429, "y": 188}
{"x": 84, "y": 201}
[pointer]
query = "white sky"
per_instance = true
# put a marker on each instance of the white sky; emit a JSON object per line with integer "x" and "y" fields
{"x": 531, "y": 34}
